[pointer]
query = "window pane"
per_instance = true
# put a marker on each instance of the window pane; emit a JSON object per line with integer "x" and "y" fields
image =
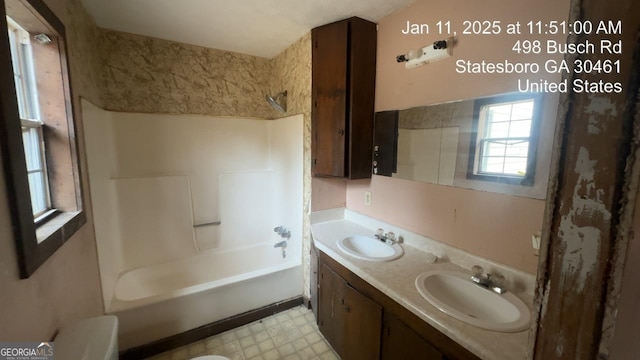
{"x": 498, "y": 113}
{"x": 38, "y": 192}
{"x": 518, "y": 148}
{"x": 515, "y": 166}
{"x": 497, "y": 130}
{"x": 492, "y": 165}
{"x": 521, "y": 128}
{"x": 522, "y": 110}
{"x": 494, "y": 148}
{"x": 17, "y": 72}
{"x": 32, "y": 154}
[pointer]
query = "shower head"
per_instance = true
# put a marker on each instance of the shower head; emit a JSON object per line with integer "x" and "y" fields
{"x": 278, "y": 102}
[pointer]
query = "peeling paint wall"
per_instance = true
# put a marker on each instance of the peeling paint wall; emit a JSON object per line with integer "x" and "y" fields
{"x": 588, "y": 211}
{"x": 580, "y": 239}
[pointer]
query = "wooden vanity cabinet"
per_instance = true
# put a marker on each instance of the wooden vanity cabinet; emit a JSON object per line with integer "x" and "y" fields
{"x": 360, "y": 322}
{"x": 400, "y": 342}
{"x": 350, "y": 321}
{"x": 343, "y": 83}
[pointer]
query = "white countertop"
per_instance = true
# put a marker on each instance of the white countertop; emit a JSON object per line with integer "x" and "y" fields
{"x": 396, "y": 279}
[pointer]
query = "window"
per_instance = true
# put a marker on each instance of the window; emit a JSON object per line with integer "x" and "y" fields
{"x": 37, "y": 139}
{"x": 504, "y": 140}
{"x": 29, "y": 111}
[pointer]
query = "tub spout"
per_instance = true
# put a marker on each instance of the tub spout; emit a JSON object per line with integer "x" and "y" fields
{"x": 281, "y": 244}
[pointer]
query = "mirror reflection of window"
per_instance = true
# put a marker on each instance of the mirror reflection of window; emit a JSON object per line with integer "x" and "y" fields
{"x": 504, "y": 138}
{"x": 504, "y": 146}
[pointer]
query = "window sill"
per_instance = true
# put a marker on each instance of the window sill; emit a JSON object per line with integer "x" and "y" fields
{"x": 510, "y": 180}
{"x": 61, "y": 227}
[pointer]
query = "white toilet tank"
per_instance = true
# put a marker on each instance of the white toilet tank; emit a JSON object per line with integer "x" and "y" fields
{"x": 89, "y": 339}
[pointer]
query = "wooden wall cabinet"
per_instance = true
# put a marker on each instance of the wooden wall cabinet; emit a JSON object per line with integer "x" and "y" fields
{"x": 360, "y": 322}
{"x": 343, "y": 88}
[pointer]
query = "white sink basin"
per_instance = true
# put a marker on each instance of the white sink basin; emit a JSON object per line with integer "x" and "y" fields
{"x": 368, "y": 248}
{"x": 454, "y": 294}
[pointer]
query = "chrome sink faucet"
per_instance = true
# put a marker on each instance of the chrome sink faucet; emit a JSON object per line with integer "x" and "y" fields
{"x": 388, "y": 238}
{"x": 494, "y": 282}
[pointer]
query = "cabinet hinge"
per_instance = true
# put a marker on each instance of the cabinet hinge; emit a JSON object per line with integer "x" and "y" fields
{"x": 315, "y": 161}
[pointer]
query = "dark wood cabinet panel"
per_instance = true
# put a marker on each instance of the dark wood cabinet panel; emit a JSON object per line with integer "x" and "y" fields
{"x": 400, "y": 342}
{"x": 343, "y": 85}
{"x": 332, "y": 316}
{"x": 364, "y": 320}
{"x": 329, "y": 93}
{"x": 385, "y": 143}
{"x": 313, "y": 292}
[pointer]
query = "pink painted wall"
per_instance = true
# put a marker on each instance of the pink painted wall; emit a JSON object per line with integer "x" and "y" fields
{"x": 399, "y": 88}
{"x": 494, "y": 226}
{"x": 328, "y": 193}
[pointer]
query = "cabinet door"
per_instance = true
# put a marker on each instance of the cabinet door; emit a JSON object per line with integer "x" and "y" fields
{"x": 364, "y": 322}
{"x": 400, "y": 342}
{"x": 331, "y": 315}
{"x": 349, "y": 321}
{"x": 329, "y": 96}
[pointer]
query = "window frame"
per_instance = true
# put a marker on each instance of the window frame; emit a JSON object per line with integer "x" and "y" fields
{"x": 35, "y": 243}
{"x": 474, "y": 150}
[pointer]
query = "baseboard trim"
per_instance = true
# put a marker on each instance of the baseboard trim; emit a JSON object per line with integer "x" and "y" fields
{"x": 205, "y": 331}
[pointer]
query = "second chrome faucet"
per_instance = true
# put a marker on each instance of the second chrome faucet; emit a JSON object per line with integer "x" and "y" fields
{"x": 493, "y": 282}
{"x": 388, "y": 238}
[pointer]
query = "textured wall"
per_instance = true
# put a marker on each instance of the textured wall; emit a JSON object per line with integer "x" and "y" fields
{"x": 149, "y": 75}
{"x": 67, "y": 286}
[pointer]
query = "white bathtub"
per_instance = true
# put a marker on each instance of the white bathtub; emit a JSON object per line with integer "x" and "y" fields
{"x": 161, "y": 300}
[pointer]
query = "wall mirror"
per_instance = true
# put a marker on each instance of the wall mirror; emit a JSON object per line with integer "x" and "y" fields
{"x": 500, "y": 143}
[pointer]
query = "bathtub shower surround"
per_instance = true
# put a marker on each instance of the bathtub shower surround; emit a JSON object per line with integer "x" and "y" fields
{"x": 185, "y": 208}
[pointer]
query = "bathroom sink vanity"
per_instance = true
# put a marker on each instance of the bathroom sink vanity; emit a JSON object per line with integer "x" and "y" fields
{"x": 373, "y": 310}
